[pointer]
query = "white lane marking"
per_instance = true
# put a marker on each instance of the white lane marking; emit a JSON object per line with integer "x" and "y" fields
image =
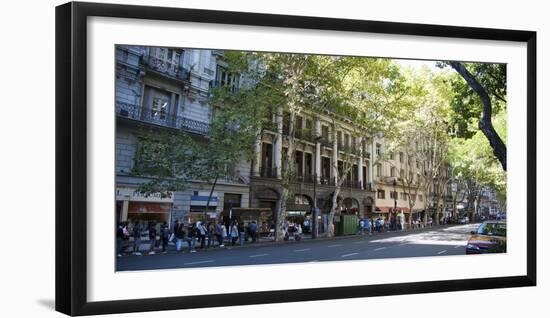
{"x": 402, "y": 244}
{"x": 258, "y": 255}
{"x": 458, "y": 246}
{"x": 198, "y": 262}
{"x": 335, "y": 245}
{"x": 444, "y": 251}
{"x": 380, "y": 248}
{"x": 360, "y": 242}
{"x": 303, "y": 250}
{"x": 350, "y": 254}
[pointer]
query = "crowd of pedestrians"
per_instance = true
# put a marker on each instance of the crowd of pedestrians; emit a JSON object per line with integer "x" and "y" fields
{"x": 200, "y": 234}
{"x": 217, "y": 233}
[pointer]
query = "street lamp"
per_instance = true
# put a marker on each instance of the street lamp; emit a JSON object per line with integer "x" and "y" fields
{"x": 395, "y": 200}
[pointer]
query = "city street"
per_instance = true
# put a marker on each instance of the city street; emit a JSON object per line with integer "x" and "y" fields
{"x": 436, "y": 241}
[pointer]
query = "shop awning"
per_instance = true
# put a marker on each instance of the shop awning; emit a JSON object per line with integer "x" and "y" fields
{"x": 388, "y": 209}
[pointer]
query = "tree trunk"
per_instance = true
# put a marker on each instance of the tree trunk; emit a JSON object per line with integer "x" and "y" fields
{"x": 210, "y": 197}
{"x": 485, "y": 123}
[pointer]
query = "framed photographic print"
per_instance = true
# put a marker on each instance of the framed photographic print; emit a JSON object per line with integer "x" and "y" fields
{"x": 244, "y": 158}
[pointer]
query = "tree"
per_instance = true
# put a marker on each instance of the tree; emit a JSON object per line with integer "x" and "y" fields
{"x": 171, "y": 160}
{"x": 375, "y": 95}
{"x": 488, "y": 82}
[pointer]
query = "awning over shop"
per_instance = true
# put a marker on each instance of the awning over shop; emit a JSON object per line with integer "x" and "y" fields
{"x": 388, "y": 209}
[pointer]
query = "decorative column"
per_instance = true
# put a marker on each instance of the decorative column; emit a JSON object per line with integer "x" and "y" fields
{"x": 371, "y": 160}
{"x": 334, "y": 154}
{"x": 256, "y": 165}
{"x": 278, "y": 149}
{"x": 317, "y": 151}
{"x": 360, "y": 164}
{"x": 124, "y": 214}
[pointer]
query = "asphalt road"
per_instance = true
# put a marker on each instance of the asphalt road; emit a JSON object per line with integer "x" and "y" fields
{"x": 437, "y": 241}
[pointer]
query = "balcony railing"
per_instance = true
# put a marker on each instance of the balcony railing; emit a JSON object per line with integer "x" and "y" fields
{"x": 125, "y": 110}
{"x": 351, "y": 184}
{"x": 268, "y": 172}
{"x": 173, "y": 70}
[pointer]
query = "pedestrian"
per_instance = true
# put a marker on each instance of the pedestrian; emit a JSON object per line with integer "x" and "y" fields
{"x": 210, "y": 229}
{"x": 298, "y": 233}
{"x": 234, "y": 232}
{"x": 218, "y": 234}
{"x": 192, "y": 233}
{"x": 201, "y": 233}
{"x": 241, "y": 233}
{"x": 179, "y": 234}
{"x": 137, "y": 237}
{"x": 164, "y": 236}
{"x": 152, "y": 238}
{"x": 361, "y": 227}
{"x": 253, "y": 230}
{"x": 377, "y": 224}
{"x": 119, "y": 239}
{"x": 224, "y": 233}
{"x": 368, "y": 226}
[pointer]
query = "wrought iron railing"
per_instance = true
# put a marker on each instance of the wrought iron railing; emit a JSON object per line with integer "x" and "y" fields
{"x": 268, "y": 172}
{"x": 173, "y": 70}
{"x": 130, "y": 111}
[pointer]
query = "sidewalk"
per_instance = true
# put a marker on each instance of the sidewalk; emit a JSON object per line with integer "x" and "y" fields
{"x": 263, "y": 241}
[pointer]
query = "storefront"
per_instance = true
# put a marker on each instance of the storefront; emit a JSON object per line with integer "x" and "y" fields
{"x": 198, "y": 210}
{"x": 132, "y": 205}
{"x": 263, "y": 216}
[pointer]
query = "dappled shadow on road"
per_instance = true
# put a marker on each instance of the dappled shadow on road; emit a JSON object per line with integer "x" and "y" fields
{"x": 447, "y": 236}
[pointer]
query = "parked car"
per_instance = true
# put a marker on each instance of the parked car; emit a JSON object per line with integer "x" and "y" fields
{"x": 463, "y": 220}
{"x": 490, "y": 237}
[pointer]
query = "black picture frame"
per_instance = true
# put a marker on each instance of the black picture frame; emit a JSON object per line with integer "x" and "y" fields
{"x": 71, "y": 157}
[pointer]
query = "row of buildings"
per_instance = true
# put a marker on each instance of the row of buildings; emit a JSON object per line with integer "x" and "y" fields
{"x": 168, "y": 88}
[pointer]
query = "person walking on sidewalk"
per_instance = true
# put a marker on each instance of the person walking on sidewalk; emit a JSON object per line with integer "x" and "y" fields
{"x": 137, "y": 238}
{"x": 234, "y": 233}
{"x": 210, "y": 229}
{"x": 241, "y": 233}
{"x": 152, "y": 237}
{"x": 179, "y": 234}
{"x": 201, "y": 233}
{"x": 164, "y": 236}
{"x": 253, "y": 230}
{"x": 224, "y": 233}
{"x": 192, "y": 237}
{"x": 119, "y": 239}
{"x": 219, "y": 234}
{"x": 368, "y": 226}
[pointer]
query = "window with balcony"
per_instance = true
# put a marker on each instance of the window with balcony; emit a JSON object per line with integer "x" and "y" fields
{"x": 393, "y": 195}
{"x": 420, "y": 198}
{"x": 401, "y": 156}
{"x": 224, "y": 78}
{"x": 392, "y": 172}
{"x": 402, "y": 174}
{"x": 378, "y": 149}
{"x": 298, "y": 127}
{"x": 379, "y": 170}
{"x": 380, "y": 194}
{"x": 168, "y": 58}
{"x": 325, "y": 134}
{"x": 156, "y": 106}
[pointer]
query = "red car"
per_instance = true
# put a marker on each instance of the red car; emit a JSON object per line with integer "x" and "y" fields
{"x": 490, "y": 237}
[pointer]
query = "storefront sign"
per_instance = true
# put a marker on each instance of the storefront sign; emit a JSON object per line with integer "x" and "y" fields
{"x": 130, "y": 194}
